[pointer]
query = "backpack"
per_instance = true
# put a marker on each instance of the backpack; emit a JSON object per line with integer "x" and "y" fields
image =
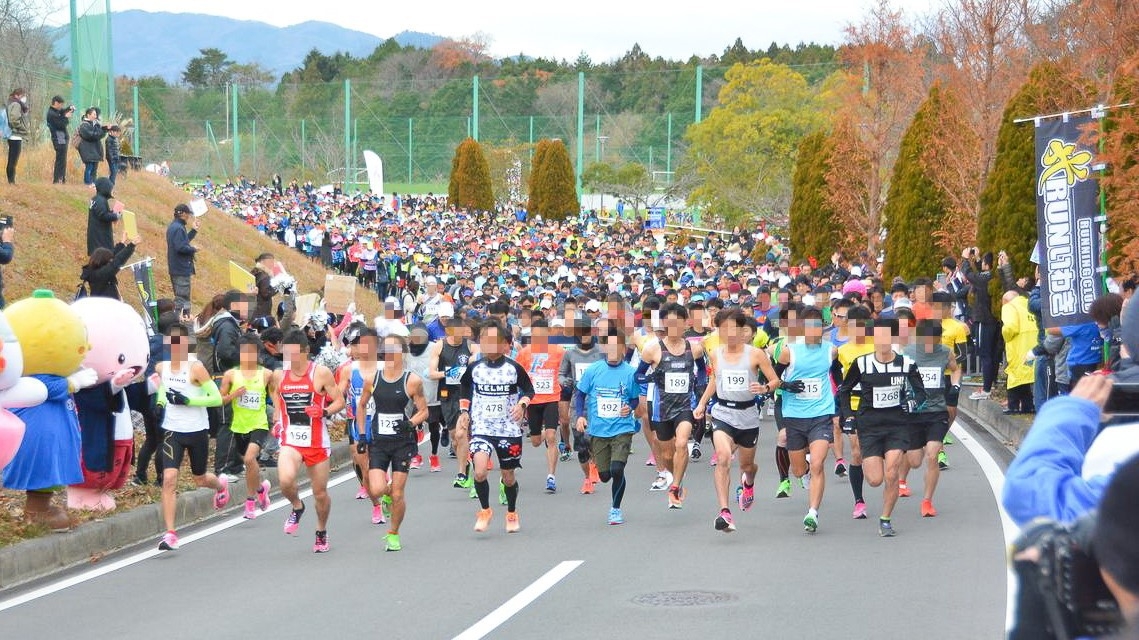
{"x": 5, "y": 126}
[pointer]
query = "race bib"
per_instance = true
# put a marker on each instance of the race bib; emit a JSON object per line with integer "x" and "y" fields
{"x": 609, "y": 408}
{"x": 543, "y": 383}
{"x": 250, "y": 400}
{"x": 579, "y": 370}
{"x": 930, "y": 377}
{"x": 676, "y": 382}
{"x": 812, "y": 389}
{"x": 454, "y": 375}
{"x": 300, "y": 436}
{"x": 734, "y": 382}
{"x": 387, "y": 424}
{"x": 495, "y": 409}
{"x": 886, "y": 397}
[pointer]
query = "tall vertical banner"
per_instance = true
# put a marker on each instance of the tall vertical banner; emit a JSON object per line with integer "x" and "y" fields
{"x": 1067, "y": 204}
{"x": 144, "y": 283}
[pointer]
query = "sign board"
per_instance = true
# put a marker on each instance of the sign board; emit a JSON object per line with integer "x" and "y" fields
{"x": 339, "y": 292}
{"x": 306, "y": 304}
{"x": 198, "y": 207}
{"x": 241, "y": 279}
{"x": 130, "y": 225}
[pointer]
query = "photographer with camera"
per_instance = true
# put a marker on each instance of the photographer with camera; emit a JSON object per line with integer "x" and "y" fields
{"x": 58, "y": 119}
{"x": 91, "y": 134}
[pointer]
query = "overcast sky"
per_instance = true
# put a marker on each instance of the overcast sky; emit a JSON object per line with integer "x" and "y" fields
{"x": 604, "y": 29}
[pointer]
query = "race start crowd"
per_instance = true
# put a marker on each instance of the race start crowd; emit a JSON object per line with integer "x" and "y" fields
{"x": 579, "y": 334}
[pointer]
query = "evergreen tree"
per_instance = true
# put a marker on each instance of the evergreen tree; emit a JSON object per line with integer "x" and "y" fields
{"x": 915, "y": 207}
{"x": 470, "y": 178}
{"x": 553, "y": 187}
{"x": 811, "y": 219}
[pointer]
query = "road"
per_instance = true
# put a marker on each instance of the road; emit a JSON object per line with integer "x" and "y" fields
{"x": 664, "y": 574}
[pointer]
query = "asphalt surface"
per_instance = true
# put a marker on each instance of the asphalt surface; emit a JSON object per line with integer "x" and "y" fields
{"x": 941, "y": 577}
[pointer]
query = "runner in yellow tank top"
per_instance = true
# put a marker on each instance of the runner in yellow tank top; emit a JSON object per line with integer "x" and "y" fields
{"x": 247, "y": 387}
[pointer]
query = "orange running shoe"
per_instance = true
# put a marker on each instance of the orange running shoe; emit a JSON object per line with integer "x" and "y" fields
{"x": 587, "y": 486}
{"x": 482, "y": 521}
{"x": 512, "y": 525}
{"x": 927, "y": 510}
{"x": 593, "y": 475}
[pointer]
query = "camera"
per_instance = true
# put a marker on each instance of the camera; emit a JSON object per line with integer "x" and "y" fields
{"x": 1062, "y": 594}
{"x": 1124, "y": 400}
{"x": 6, "y": 222}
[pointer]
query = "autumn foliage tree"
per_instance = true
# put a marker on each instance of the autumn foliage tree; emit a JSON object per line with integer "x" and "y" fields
{"x": 470, "y": 184}
{"x": 811, "y": 222}
{"x": 553, "y": 187}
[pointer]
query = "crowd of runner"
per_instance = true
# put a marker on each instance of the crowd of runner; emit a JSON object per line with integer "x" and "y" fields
{"x": 577, "y": 335}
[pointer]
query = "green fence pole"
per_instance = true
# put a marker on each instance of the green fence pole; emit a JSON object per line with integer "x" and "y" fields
{"x": 409, "y": 148}
{"x": 597, "y": 140}
{"x": 699, "y": 93}
{"x": 235, "y": 137}
{"x": 304, "y": 157}
{"x": 347, "y": 129}
{"x": 256, "y": 165}
{"x": 475, "y": 108}
{"x": 355, "y": 147}
{"x": 134, "y": 115}
{"x": 668, "y": 149}
{"x": 531, "y": 141}
{"x": 109, "y": 72}
{"x": 76, "y": 71}
{"x": 580, "y": 130}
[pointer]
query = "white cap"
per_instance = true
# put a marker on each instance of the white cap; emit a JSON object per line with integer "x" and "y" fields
{"x": 546, "y": 303}
{"x": 836, "y": 295}
{"x": 593, "y": 306}
{"x": 903, "y": 303}
{"x": 392, "y": 302}
{"x": 430, "y": 280}
{"x": 809, "y": 300}
{"x": 445, "y": 310}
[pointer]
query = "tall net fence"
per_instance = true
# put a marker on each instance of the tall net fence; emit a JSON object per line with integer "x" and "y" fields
{"x": 92, "y": 70}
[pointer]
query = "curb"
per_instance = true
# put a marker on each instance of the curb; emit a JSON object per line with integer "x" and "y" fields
{"x": 90, "y": 542}
{"x": 989, "y": 415}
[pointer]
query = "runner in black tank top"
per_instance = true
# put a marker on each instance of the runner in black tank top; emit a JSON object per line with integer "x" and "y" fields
{"x": 449, "y": 359}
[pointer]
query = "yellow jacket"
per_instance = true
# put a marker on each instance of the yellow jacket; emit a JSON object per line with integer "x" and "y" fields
{"x": 1020, "y": 334}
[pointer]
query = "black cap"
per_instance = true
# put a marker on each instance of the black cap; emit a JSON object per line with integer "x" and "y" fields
{"x": 182, "y": 208}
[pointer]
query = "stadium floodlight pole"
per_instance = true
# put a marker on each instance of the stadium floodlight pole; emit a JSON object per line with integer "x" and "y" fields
{"x": 110, "y": 70}
{"x": 235, "y": 134}
{"x": 475, "y": 108}
{"x": 304, "y": 140}
{"x": 580, "y": 130}
{"x": 668, "y": 148}
{"x": 409, "y": 147}
{"x": 134, "y": 116}
{"x": 597, "y": 140}
{"x": 531, "y": 147}
{"x": 699, "y": 93}
{"x": 76, "y": 73}
{"x": 347, "y": 129}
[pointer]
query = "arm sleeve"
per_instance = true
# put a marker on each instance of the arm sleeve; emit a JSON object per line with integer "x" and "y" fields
{"x": 1044, "y": 479}
{"x": 917, "y": 385}
{"x": 579, "y": 403}
{"x": 642, "y": 369}
{"x": 466, "y": 387}
{"x": 212, "y": 397}
{"x": 565, "y": 372}
{"x": 849, "y": 382}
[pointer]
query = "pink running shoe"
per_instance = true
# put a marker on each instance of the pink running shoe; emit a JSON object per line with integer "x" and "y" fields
{"x": 859, "y": 511}
{"x": 362, "y": 493}
{"x": 293, "y": 522}
{"x": 221, "y": 498}
{"x": 745, "y": 495}
{"x": 378, "y": 514}
{"x": 321, "y": 544}
{"x": 250, "y": 509}
{"x": 263, "y": 496}
{"x": 169, "y": 541}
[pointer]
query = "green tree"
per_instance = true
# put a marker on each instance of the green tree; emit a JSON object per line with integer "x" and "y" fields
{"x": 915, "y": 206}
{"x": 210, "y": 69}
{"x": 470, "y": 178}
{"x": 536, "y": 188}
{"x": 1008, "y": 202}
{"x": 552, "y": 181}
{"x": 743, "y": 154}
{"x": 811, "y": 220}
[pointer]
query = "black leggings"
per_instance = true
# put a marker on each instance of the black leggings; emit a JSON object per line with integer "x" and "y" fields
{"x": 143, "y": 403}
{"x": 435, "y": 428}
{"x": 13, "y": 158}
{"x": 615, "y": 472}
{"x": 989, "y": 350}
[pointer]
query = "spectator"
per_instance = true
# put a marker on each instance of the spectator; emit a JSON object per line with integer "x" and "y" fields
{"x": 7, "y": 252}
{"x": 986, "y": 329}
{"x": 225, "y": 336}
{"x": 101, "y": 217}
{"x": 21, "y": 129}
{"x": 101, "y": 273}
{"x": 1116, "y": 545}
{"x": 58, "y": 120}
{"x": 262, "y": 274}
{"x": 114, "y": 155}
{"x": 1020, "y": 334}
{"x": 91, "y": 134}
{"x": 180, "y": 254}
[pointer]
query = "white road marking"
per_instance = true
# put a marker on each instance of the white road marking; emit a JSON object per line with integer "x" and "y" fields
{"x": 103, "y": 570}
{"x": 495, "y": 618}
{"x": 996, "y": 480}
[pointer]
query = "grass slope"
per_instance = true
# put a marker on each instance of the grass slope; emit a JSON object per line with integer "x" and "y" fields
{"x": 51, "y": 241}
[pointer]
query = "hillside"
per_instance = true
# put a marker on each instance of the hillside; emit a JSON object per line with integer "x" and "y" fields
{"x": 51, "y": 239}
{"x": 143, "y": 46}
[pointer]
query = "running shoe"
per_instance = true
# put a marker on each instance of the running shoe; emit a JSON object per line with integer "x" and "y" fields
{"x": 551, "y": 485}
{"x": 168, "y": 542}
{"x": 948, "y": 439}
{"x": 420, "y": 435}
{"x": 482, "y": 520}
{"x": 391, "y": 542}
{"x": 805, "y": 481}
{"x": 694, "y": 450}
{"x": 321, "y": 544}
{"x": 927, "y": 510}
{"x": 362, "y": 493}
{"x": 563, "y": 452}
{"x": 512, "y": 524}
{"x": 386, "y": 507}
{"x": 462, "y": 481}
{"x": 903, "y": 489}
{"x": 885, "y": 529}
{"x": 942, "y": 461}
{"x": 616, "y": 517}
{"x": 660, "y": 484}
{"x": 378, "y": 514}
{"x": 250, "y": 509}
{"x": 784, "y": 489}
{"x": 221, "y": 498}
{"x": 745, "y": 495}
{"x": 840, "y": 468}
{"x": 263, "y": 496}
{"x": 445, "y": 439}
{"x": 810, "y": 523}
{"x": 451, "y": 453}
{"x": 859, "y": 510}
{"x": 472, "y": 494}
{"x": 712, "y": 460}
{"x": 435, "y": 466}
{"x": 978, "y": 395}
{"x": 587, "y": 486}
{"x": 594, "y": 476}
{"x": 676, "y": 497}
{"x": 293, "y": 522}
{"x": 724, "y": 522}
{"x": 651, "y": 461}
{"x": 416, "y": 462}
{"x": 501, "y": 493}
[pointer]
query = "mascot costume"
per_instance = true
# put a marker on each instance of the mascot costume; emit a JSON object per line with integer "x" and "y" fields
{"x": 54, "y": 343}
{"x": 118, "y": 354}
{"x": 15, "y": 392}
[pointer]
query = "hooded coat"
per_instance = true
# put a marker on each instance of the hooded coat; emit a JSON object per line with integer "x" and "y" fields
{"x": 100, "y": 218}
{"x": 1020, "y": 332}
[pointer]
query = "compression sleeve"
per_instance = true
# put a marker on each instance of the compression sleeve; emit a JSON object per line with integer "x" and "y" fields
{"x": 212, "y": 397}
{"x": 579, "y": 403}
